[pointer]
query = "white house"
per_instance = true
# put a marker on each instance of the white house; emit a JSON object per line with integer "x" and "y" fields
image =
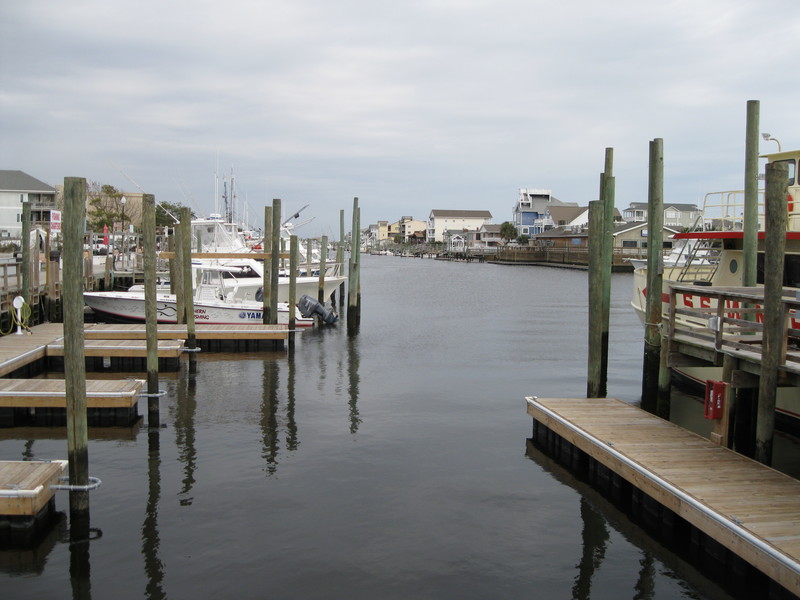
{"x": 675, "y": 215}
{"x": 17, "y": 187}
{"x": 440, "y": 221}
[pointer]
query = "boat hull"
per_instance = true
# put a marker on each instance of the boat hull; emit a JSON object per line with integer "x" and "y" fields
{"x": 128, "y": 307}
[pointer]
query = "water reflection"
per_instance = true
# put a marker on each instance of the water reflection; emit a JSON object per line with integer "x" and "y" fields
{"x": 595, "y": 538}
{"x": 153, "y": 567}
{"x": 184, "y": 419}
{"x": 601, "y": 519}
{"x": 79, "y": 564}
{"x": 353, "y": 381}
{"x": 271, "y": 426}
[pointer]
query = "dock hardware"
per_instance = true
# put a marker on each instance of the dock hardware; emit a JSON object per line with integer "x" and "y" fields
{"x": 95, "y": 483}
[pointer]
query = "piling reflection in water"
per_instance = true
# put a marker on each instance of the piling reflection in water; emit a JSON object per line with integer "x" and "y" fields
{"x": 153, "y": 567}
{"x": 184, "y": 415}
{"x": 353, "y": 381}
{"x": 595, "y": 538}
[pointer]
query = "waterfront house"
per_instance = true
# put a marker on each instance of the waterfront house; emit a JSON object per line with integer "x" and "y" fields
{"x": 677, "y": 216}
{"x": 440, "y": 221}
{"x": 567, "y": 217}
{"x": 629, "y": 238}
{"x": 532, "y": 205}
{"x": 17, "y": 187}
{"x": 488, "y": 236}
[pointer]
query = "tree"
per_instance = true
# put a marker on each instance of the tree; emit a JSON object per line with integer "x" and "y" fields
{"x": 104, "y": 208}
{"x": 507, "y": 231}
{"x": 168, "y": 213}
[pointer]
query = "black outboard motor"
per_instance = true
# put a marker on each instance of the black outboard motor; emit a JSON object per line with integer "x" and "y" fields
{"x": 310, "y": 306}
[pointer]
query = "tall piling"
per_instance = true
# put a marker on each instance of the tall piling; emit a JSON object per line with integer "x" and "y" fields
{"x": 266, "y": 288}
{"x": 275, "y": 260}
{"x": 652, "y": 330}
{"x": 340, "y": 259}
{"x": 354, "y": 292}
{"x": 607, "y": 196}
{"x": 293, "y": 256}
{"x": 774, "y": 332}
{"x": 180, "y": 284}
{"x": 25, "y": 247}
{"x": 750, "y": 235}
{"x": 150, "y": 311}
{"x": 74, "y": 360}
{"x": 323, "y": 259}
{"x": 188, "y": 284}
{"x": 595, "y": 386}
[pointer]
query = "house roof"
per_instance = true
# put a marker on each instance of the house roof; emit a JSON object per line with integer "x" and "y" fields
{"x": 565, "y": 214}
{"x": 488, "y": 228}
{"x": 17, "y": 181}
{"x": 681, "y": 207}
{"x": 464, "y": 214}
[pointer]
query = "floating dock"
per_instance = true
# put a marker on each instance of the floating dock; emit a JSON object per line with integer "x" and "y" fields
{"x": 27, "y": 498}
{"x": 750, "y": 510}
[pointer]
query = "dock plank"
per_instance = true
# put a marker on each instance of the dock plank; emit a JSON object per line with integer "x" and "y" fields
{"x": 704, "y": 483}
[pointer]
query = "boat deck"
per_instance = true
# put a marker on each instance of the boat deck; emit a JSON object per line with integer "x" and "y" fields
{"x": 751, "y": 509}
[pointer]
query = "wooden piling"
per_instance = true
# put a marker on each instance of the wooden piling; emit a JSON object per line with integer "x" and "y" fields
{"x": 150, "y": 312}
{"x": 275, "y": 260}
{"x": 354, "y": 292}
{"x": 340, "y": 259}
{"x": 652, "y": 331}
{"x": 188, "y": 284}
{"x": 180, "y": 284}
{"x": 266, "y": 288}
{"x": 750, "y": 239}
{"x": 25, "y": 247}
{"x": 607, "y": 197}
{"x": 293, "y": 255}
{"x": 774, "y": 317}
{"x": 309, "y": 251}
{"x": 595, "y": 386}
{"x": 74, "y": 362}
{"x": 323, "y": 258}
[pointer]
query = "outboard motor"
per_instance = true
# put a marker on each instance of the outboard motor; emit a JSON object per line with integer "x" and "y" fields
{"x": 310, "y": 306}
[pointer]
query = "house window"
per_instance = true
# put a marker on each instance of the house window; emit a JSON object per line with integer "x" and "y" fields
{"x": 629, "y": 244}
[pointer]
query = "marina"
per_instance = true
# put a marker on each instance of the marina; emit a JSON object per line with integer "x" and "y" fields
{"x": 357, "y": 428}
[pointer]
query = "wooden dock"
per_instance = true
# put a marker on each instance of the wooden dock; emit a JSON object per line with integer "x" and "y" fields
{"x": 750, "y": 509}
{"x": 25, "y": 486}
{"x": 120, "y": 348}
{"x": 51, "y": 393}
{"x": 179, "y": 332}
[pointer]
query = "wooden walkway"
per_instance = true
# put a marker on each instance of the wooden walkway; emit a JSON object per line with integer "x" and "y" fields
{"x": 750, "y": 509}
{"x": 25, "y": 486}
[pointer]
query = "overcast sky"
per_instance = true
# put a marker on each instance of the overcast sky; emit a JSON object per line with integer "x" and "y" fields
{"x": 410, "y": 106}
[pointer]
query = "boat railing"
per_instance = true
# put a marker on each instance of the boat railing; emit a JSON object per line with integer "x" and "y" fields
{"x": 724, "y": 211}
{"x": 730, "y": 320}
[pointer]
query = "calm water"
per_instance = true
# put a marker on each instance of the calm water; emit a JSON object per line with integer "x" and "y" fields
{"x": 391, "y": 465}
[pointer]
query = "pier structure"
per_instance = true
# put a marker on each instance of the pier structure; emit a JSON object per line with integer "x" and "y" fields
{"x": 736, "y": 518}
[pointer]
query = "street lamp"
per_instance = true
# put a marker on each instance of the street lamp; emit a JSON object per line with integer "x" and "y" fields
{"x": 122, "y": 202}
{"x": 768, "y": 137}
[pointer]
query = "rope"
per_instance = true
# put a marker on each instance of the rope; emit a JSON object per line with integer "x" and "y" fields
{"x": 16, "y": 321}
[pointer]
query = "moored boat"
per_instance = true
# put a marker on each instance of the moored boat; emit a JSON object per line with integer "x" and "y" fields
{"x": 716, "y": 260}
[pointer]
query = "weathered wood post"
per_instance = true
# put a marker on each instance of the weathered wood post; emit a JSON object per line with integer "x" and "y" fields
{"x": 607, "y": 197}
{"x": 74, "y": 361}
{"x": 266, "y": 288}
{"x": 653, "y": 313}
{"x": 293, "y": 256}
{"x": 188, "y": 284}
{"x": 25, "y": 246}
{"x": 180, "y": 285}
{"x": 750, "y": 240}
{"x": 774, "y": 333}
{"x": 354, "y": 291}
{"x": 323, "y": 259}
{"x": 595, "y": 385}
{"x": 150, "y": 312}
{"x": 309, "y": 252}
{"x": 275, "y": 259}
{"x": 340, "y": 260}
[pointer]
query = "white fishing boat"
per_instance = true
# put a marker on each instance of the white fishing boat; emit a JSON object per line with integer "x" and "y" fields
{"x": 716, "y": 260}
{"x": 214, "y": 303}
